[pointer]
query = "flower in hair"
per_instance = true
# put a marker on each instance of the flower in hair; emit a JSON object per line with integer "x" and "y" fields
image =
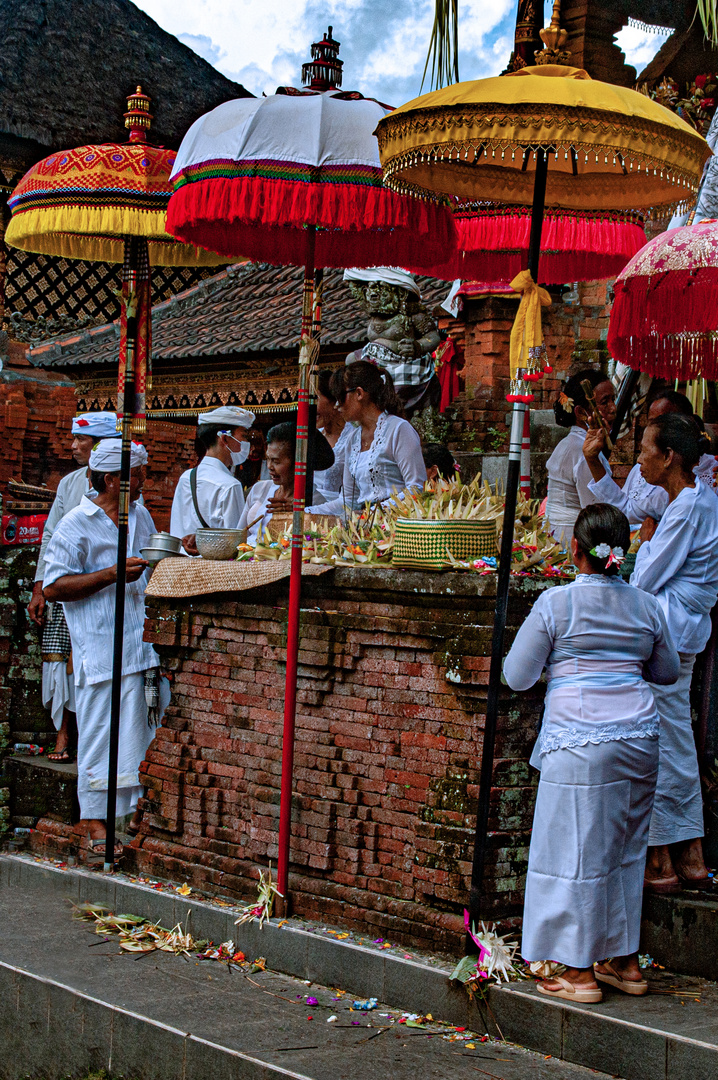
{"x": 565, "y": 402}
{"x": 613, "y": 556}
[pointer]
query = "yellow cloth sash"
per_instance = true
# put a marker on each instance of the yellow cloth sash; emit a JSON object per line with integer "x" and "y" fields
{"x": 526, "y": 333}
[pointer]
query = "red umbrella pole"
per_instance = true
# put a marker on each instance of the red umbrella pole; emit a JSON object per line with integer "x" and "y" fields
{"x": 295, "y": 576}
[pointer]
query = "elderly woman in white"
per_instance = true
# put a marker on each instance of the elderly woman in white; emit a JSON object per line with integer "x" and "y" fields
{"x": 383, "y": 454}
{"x": 276, "y": 495}
{"x": 677, "y": 563}
{"x": 597, "y": 752}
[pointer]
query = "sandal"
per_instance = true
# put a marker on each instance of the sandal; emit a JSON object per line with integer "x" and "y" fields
{"x": 695, "y": 883}
{"x": 661, "y": 885}
{"x": 97, "y": 849}
{"x": 571, "y": 992}
{"x": 63, "y": 755}
{"x": 637, "y": 987}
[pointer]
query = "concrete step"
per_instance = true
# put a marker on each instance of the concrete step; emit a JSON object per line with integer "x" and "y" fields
{"x": 680, "y": 931}
{"x": 663, "y": 1036}
{"x": 71, "y": 1003}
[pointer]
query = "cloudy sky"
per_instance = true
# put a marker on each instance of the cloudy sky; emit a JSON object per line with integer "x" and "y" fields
{"x": 384, "y": 42}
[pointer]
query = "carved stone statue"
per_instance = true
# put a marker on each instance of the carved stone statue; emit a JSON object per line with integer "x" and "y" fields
{"x": 401, "y": 335}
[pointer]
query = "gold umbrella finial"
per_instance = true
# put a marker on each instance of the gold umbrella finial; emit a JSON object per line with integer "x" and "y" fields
{"x": 554, "y": 38}
{"x": 138, "y": 117}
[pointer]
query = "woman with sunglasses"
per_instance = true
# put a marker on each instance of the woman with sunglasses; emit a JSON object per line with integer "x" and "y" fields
{"x": 383, "y": 453}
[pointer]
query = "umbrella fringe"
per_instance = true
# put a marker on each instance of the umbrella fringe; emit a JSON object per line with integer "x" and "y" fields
{"x": 646, "y": 314}
{"x": 573, "y": 248}
{"x": 215, "y": 211}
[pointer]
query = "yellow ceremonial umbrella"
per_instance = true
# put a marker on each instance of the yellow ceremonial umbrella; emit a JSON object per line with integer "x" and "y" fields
{"x": 543, "y": 135}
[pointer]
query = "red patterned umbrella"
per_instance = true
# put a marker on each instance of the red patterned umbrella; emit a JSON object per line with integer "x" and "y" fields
{"x": 493, "y": 242}
{"x": 664, "y": 320}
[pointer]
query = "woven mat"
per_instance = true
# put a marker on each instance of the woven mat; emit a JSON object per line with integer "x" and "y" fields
{"x": 195, "y": 577}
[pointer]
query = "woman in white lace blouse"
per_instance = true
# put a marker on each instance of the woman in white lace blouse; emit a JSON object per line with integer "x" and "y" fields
{"x": 383, "y": 452}
{"x": 598, "y": 638}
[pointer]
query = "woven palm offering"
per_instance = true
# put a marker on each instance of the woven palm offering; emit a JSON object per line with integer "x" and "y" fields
{"x": 429, "y": 545}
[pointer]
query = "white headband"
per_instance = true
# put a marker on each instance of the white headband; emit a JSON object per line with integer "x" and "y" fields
{"x": 107, "y": 456}
{"x": 392, "y": 275}
{"x": 99, "y": 425}
{"x": 230, "y": 416}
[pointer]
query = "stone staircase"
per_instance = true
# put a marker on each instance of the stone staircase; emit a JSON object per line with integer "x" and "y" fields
{"x": 66, "y": 1009}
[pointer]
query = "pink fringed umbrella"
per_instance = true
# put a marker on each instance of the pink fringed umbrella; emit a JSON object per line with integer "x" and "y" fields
{"x": 295, "y": 179}
{"x": 664, "y": 319}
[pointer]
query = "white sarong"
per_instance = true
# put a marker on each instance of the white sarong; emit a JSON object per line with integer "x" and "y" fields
{"x": 58, "y": 690}
{"x": 93, "y": 744}
{"x": 588, "y": 852}
{"x": 678, "y": 806}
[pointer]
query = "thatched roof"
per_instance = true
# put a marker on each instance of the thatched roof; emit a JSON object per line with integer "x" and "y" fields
{"x": 68, "y": 66}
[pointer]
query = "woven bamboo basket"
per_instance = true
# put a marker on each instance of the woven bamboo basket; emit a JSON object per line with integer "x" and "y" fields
{"x": 423, "y": 545}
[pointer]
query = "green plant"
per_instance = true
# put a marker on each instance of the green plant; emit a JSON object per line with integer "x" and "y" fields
{"x": 432, "y": 426}
{"x": 498, "y": 438}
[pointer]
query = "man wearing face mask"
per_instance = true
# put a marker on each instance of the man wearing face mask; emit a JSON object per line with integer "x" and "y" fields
{"x": 209, "y": 496}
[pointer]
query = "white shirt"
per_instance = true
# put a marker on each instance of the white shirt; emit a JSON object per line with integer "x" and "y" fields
{"x": 329, "y": 481}
{"x": 220, "y": 498}
{"x": 569, "y": 478}
{"x": 596, "y": 637}
{"x": 637, "y": 498}
{"x": 70, "y": 491}
{"x": 393, "y": 462}
{"x": 707, "y": 471}
{"x": 255, "y": 511}
{"x": 256, "y": 514}
{"x": 85, "y": 541}
{"x": 679, "y": 566}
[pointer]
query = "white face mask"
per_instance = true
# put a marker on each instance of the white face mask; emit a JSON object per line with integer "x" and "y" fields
{"x": 238, "y": 456}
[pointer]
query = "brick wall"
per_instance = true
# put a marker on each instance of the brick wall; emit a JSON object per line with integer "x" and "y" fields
{"x": 390, "y": 722}
{"x": 574, "y": 331}
{"x": 35, "y": 419}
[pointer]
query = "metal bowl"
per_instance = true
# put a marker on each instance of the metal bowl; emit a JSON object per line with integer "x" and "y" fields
{"x": 219, "y": 544}
{"x": 164, "y": 541}
{"x": 155, "y": 554}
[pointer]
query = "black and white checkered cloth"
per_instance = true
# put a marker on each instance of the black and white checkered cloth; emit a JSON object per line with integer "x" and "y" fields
{"x": 404, "y": 372}
{"x": 56, "y": 644}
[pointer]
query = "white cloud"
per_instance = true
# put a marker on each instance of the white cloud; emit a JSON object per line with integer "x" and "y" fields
{"x": 638, "y": 46}
{"x": 384, "y": 43}
{"x": 203, "y": 46}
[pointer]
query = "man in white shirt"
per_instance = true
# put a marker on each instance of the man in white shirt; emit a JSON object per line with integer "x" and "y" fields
{"x": 209, "y": 496}
{"x": 58, "y": 692}
{"x": 81, "y": 571}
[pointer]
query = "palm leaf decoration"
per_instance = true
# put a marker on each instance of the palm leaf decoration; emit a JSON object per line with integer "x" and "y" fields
{"x": 707, "y": 12}
{"x": 444, "y": 45}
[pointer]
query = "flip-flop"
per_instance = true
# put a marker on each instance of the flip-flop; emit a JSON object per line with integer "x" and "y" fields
{"x": 637, "y": 987}
{"x": 97, "y": 850}
{"x": 695, "y": 883}
{"x": 60, "y": 755}
{"x": 661, "y": 885}
{"x": 571, "y": 992}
